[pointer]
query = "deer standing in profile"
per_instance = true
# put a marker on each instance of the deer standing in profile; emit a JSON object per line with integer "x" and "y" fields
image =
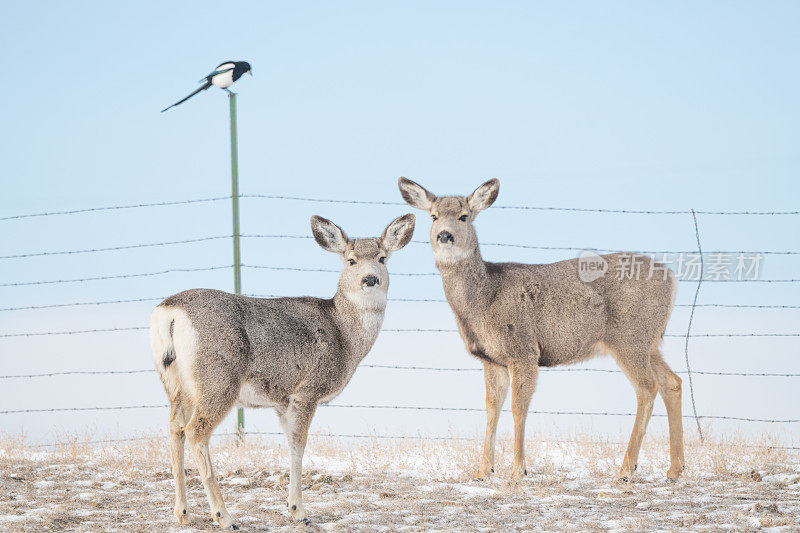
{"x": 214, "y": 350}
{"x": 518, "y": 317}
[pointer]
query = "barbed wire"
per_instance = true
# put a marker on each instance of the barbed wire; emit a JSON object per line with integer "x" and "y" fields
{"x": 302, "y": 269}
{"x": 78, "y": 373}
{"x": 117, "y": 248}
{"x": 115, "y": 276}
{"x": 78, "y": 409}
{"x": 77, "y": 304}
{"x": 331, "y": 270}
{"x": 115, "y": 208}
{"x": 645, "y": 252}
{"x": 419, "y": 368}
{"x": 407, "y": 408}
{"x": 537, "y": 412}
{"x": 689, "y": 326}
{"x": 364, "y": 436}
{"x": 580, "y": 369}
{"x": 71, "y": 332}
{"x": 390, "y": 330}
{"x": 442, "y": 330}
{"x": 419, "y": 300}
{"x": 555, "y": 248}
{"x": 528, "y": 208}
{"x": 392, "y": 203}
{"x": 287, "y": 236}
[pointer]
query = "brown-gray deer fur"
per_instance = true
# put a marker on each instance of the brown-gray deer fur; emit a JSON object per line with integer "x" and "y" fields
{"x": 214, "y": 350}
{"x": 517, "y": 317}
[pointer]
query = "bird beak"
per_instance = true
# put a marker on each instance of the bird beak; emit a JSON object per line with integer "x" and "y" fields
{"x": 250, "y": 72}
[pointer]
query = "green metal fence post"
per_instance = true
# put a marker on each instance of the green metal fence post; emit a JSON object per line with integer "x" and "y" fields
{"x": 237, "y": 268}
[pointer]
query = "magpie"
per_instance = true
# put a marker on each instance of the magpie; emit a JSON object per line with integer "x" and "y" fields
{"x": 223, "y": 77}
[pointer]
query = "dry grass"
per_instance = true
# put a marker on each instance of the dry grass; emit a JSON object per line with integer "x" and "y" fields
{"x": 404, "y": 485}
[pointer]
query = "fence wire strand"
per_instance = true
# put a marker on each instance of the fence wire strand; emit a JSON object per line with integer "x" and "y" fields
{"x": 689, "y": 326}
{"x": 303, "y": 269}
{"x": 115, "y": 276}
{"x": 419, "y": 368}
{"x": 69, "y": 443}
{"x": 117, "y": 248}
{"x": 417, "y": 300}
{"x": 286, "y": 236}
{"x": 408, "y": 408}
{"x": 388, "y": 330}
{"x": 115, "y": 208}
{"x": 392, "y": 203}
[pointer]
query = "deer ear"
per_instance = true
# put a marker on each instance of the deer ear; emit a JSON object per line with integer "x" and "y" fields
{"x": 328, "y": 235}
{"x": 415, "y": 194}
{"x": 398, "y": 233}
{"x": 484, "y": 196}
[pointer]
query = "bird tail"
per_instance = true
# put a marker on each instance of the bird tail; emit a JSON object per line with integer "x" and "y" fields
{"x": 179, "y": 102}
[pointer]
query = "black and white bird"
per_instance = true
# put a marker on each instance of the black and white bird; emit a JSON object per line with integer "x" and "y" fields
{"x": 225, "y": 75}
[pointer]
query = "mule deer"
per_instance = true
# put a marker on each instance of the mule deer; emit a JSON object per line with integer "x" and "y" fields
{"x": 519, "y": 317}
{"x": 213, "y": 349}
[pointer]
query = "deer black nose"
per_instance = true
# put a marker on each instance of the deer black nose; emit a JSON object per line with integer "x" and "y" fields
{"x": 370, "y": 281}
{"x": 444, "y": 237}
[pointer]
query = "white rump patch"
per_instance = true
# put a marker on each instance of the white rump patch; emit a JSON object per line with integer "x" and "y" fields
{"x": 178, "y": 376}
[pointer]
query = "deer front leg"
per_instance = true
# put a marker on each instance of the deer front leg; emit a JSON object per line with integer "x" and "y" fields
{"x": 644, "y": 383}
{"x": 296, "y": 421}
{"x": 496, "y": 378}
{"x": 523, "y": 383}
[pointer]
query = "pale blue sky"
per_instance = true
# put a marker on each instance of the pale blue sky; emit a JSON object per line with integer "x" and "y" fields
{"x": 615, "y": 105}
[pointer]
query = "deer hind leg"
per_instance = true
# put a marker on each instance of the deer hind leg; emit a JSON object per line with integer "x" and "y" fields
{"x": 636, "y": 366}
{"x": 497, "y": 380}
{"x": 198, "y": 432}
{"x": 296, "y": 420}
{"x": 523, "y": 383}
{"x": 669, "y": 385}
{"x": 180, "y": 413}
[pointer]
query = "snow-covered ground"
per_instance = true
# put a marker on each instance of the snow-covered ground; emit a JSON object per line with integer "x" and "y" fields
{"x": 404, "y": 485}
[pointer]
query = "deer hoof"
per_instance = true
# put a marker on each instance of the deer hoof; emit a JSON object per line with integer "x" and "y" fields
{"x": 517, "y": 473}
{"x": 298, "y": 512}
{"x": 483, "y": 474}
{"x": 673, "y": 474}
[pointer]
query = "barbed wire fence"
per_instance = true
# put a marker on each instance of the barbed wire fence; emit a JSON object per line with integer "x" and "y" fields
{"x": 137, "y": 327}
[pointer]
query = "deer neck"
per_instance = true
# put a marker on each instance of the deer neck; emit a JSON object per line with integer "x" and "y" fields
{"x": 466, "y": 282}
{"x": 359, "y": 315}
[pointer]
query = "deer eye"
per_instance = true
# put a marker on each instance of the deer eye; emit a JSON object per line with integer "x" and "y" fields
{"x": 382, "y": 260}
{"x": 434, "y": 217}
{"x": 463, "y": 218}
{"x": 351, "y": 261}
